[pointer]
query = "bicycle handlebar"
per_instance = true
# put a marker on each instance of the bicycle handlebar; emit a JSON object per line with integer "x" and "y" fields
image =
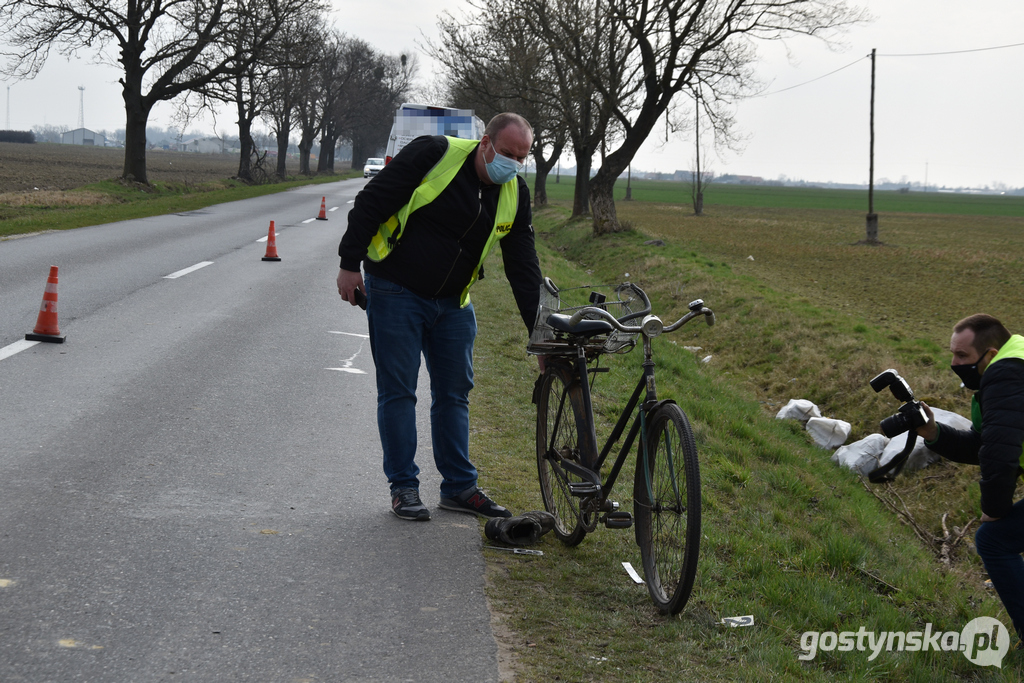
{"x": 651, "y": 325}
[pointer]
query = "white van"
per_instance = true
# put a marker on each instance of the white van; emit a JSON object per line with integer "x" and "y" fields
{"x": 414, "y": 120}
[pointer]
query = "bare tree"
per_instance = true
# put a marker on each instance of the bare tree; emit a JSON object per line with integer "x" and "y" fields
{"x": 705, "y": 44}
{"x": 588, "y": 55}
{"x": 164, "y": 48}
{"x": 492, "y": 65}
{"x": 299, "y": 45}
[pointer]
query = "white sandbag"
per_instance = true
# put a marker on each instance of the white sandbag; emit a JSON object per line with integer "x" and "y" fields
{"x": 828, "y": 432}
{"x": 798, "y": 409}
{"x": 862, "y": 456}
{"x": 919, "y": 458}
{"x": 952, "y": 419}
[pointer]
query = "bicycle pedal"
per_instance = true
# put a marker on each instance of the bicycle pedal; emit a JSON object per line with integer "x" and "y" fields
{"x": 618, "y": 520}
{"x": 583, "y": 489}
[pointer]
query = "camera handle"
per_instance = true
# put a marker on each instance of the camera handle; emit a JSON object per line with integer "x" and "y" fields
{"x": 880, "y": 474}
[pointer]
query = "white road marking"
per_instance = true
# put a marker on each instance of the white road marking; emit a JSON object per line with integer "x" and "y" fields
{"x": 351, "y": 201}
{"x": 16, "y": 347}
{"x": 350, "y": 334}
{"x": 186, "y": 271}
{"x": 346, "y": 365}
{"x": 308, "y": 220}
{"x": 264, "y": 238}
{"x": 334, "y": 208}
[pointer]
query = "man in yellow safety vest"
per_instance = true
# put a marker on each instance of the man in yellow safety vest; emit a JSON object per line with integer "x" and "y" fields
{"x": 421, "y": 229}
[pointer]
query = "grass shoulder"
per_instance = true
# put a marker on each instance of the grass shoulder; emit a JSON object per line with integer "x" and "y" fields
{"x": 788, "y": 536}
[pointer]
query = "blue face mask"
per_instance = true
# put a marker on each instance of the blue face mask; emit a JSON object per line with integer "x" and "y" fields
{"x": 501, "y": 169}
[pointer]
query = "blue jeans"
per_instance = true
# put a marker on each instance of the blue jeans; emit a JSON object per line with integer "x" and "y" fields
{"x": 402, "y": 326}
{"x": 1000, "y": 544}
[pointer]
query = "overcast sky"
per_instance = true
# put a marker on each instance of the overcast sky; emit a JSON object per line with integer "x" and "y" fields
{"x": 952, "y": 119}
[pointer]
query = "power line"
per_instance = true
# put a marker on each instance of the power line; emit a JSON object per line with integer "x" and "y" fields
{"x": 860, "y": 59}
{"x": 919, "y": 54}
{"x": 954, "y": 52}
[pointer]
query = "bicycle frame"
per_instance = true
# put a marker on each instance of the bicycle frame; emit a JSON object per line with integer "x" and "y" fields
{"x": 645, "y": 387}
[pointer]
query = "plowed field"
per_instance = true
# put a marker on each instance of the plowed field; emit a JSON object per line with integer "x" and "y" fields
{"x": 64, "y": 167}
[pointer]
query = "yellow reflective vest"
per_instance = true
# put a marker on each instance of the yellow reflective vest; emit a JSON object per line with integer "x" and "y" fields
{"x": 432, "y": 185}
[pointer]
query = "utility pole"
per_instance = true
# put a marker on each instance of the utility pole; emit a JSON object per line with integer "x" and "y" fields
{"x": 872, "y": 218}
{"x": 81, "y": 106}
{"x": 629, "y": 188}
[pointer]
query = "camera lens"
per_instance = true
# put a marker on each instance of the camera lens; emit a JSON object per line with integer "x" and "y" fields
{"x": 894, "y": 425}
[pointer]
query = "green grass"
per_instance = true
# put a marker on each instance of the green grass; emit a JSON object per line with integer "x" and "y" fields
{"x": 111, "y": 201}
{"x": 766, "y": 196}
{"x": 788, "y": 536}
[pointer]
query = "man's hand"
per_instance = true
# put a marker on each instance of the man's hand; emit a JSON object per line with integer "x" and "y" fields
{"x": 348, "y": 282}
{"x": 929, "y": 430}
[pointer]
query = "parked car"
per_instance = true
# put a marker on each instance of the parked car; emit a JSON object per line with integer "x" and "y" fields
{"x": 373, "y": 166}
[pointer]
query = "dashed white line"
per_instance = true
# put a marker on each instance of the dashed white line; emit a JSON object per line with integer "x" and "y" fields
{"x": 350, "y": 334}
{"x": 334, "y": 208}
{"x": 308, "y": 220}
{"x": 16, "y": 347}
{"x": 190, "y": 269}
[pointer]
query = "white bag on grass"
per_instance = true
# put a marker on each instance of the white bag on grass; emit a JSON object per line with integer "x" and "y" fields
{"x": 828, "y": 432}
{"x": 862, "y": 456}
{"x": 798, "y": 409}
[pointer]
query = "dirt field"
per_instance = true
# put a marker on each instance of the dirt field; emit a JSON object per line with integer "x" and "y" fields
{"x": 64, "y": 167}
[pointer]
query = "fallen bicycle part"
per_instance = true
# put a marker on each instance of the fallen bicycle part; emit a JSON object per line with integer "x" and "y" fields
{"x": 515, "y": 551}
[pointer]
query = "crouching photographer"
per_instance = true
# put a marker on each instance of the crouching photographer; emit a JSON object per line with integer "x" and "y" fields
{"x": 990, "y": 361}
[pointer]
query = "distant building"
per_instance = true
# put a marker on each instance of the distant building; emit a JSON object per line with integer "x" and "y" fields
{"x": 203, "y": 145}
{"x": 83, "y": 136}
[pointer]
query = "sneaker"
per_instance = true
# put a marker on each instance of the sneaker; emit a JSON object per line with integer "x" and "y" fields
{"x": 524, "y": 529}
{"x": 406, "y": 504}
{"x": 475, "y": 502}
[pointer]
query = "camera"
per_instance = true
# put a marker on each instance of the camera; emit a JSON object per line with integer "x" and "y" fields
{"x": 910, "y": 415}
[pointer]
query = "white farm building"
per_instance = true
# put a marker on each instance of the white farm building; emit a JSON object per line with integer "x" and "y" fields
{"x": 82, "y": 136}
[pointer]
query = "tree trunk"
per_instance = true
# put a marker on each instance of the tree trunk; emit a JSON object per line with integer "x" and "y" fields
{"x": 602, "y": 203}
{"x": 581, "y": 195}
{"x": 544, "y": 166}
{"x": 136, "y": 117}
{"x": 246, "y": 143}
{"x": 305, "y": 147}
{"x": 540, "y": 189}
{"x": 328, "y": 141}
{"x": 282, "y": 151}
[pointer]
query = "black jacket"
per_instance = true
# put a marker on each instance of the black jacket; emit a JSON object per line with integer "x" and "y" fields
{"x": 442, "y": 241}
{"x": 997, "y": 448}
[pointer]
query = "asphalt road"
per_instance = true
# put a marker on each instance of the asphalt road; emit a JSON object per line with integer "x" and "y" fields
{"x": 190, "y": 486}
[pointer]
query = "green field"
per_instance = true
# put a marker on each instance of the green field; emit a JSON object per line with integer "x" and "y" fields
{"x": 765, "y": 196}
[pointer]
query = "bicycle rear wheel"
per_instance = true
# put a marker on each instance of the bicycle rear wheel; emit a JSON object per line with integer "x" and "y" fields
{"x": 666, "y": 505}
{"x": 560, "y": 429}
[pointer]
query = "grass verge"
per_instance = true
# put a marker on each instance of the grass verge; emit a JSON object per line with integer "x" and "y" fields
{"x": 788, "y": 536}
{"x": 112, "y": 200}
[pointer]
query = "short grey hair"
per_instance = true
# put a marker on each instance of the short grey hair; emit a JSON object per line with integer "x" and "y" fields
{"x": 503, "y": 121}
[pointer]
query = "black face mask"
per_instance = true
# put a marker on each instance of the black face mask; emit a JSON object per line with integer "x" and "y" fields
{"x": 969, "y": 375}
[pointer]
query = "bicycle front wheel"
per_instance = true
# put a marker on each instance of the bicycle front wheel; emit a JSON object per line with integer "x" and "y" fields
{"x": 560, "y": 426}
{"x": 666, "y": 505}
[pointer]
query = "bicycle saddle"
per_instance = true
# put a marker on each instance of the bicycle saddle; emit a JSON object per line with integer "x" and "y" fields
{"x": 585, "y": 328}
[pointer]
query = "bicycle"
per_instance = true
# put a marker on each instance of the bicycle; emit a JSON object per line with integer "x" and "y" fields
{"x": 666, "y": 488}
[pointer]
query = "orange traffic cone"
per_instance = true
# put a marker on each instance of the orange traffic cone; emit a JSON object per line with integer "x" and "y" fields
{"x": 323, "y": 210}
{"x": 46, "y": 329}
{"x": 271, "y": 245}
